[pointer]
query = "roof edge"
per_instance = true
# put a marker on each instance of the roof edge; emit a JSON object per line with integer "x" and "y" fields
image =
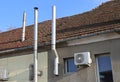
{"x": 59, "y": 41}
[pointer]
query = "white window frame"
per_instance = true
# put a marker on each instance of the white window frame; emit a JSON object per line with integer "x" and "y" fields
{"x": 98, "y": 76}
{"x": 97, "y": 67}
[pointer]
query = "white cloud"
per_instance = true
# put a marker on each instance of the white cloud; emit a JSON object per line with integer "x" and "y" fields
{"x": 104, "y": 0}
{"x": 99, "y": 1}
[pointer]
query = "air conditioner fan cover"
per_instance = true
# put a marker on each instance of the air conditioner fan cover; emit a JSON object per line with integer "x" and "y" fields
{"x": 79, "y": 58}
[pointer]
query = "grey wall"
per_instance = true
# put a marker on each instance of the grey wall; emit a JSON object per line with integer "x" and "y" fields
{"x": 18, "y": 65}
{"x": 86, "y": 74}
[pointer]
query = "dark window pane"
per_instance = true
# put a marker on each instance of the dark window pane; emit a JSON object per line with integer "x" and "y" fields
{"x": 105, "y": 69}
{"x": 70, "y": 66}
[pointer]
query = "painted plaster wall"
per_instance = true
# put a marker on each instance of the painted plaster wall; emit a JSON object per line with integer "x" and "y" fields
{"x": 18, "y": 67}
{"x": 86, "y": 74}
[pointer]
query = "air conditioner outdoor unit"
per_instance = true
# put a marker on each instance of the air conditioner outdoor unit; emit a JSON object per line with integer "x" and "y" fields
{"x": 3, "y": 75}
{"x": 82, "y": 58}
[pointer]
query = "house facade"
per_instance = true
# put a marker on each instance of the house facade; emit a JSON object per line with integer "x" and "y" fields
{"x": 96, "y": 33}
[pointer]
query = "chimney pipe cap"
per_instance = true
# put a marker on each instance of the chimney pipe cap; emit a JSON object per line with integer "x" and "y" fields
{"x": 35, "y": 7}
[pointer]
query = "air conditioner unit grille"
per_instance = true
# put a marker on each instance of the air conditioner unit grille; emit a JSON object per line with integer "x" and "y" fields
{"x": 79, "y": 58}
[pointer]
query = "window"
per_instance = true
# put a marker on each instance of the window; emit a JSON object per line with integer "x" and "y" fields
{"x": 104, "y": 68}
{"x": 69, "y": 65}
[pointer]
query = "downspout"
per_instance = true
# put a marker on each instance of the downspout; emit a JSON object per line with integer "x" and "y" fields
{"x": 53, "y": 42}
{"x": 24, "y": 24}
{"x": 35, "y": 43}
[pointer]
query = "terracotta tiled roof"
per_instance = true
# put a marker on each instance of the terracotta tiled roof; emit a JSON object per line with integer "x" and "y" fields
{"x": 105, "y": 18}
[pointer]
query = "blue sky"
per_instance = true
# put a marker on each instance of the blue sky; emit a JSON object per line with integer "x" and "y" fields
{"x": 12, "y": 10}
